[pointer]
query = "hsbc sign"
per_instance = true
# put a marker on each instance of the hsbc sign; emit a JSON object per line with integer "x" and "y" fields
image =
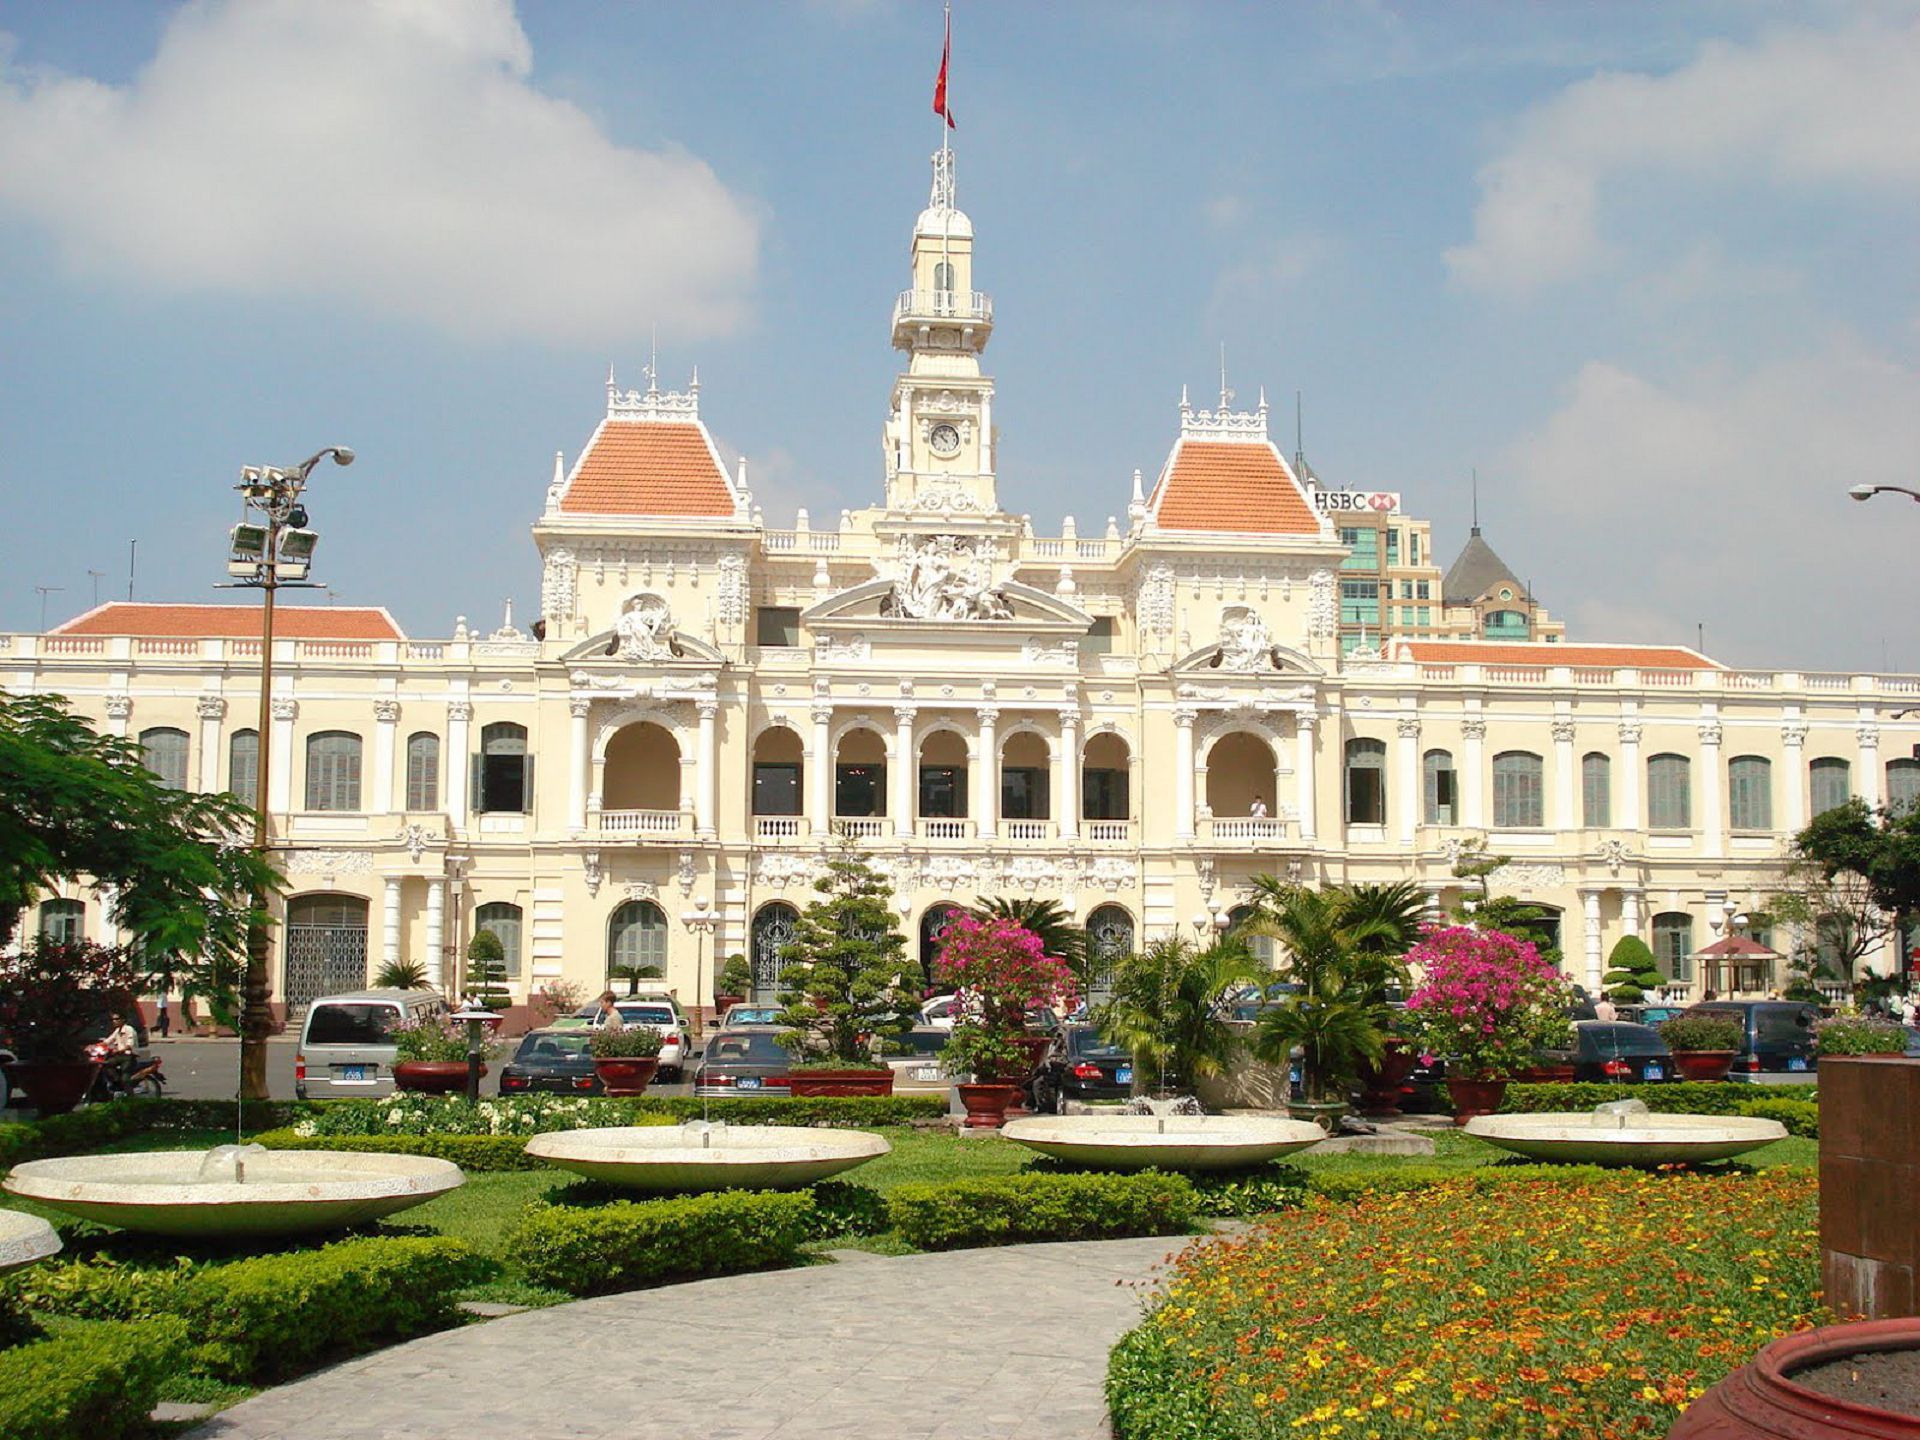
{"x": 1348, "y": 502}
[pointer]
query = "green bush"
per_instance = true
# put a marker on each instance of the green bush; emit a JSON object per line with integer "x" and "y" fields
{"x": 1632, "y": 971}
{"x": 1006, "y": 1209}
{"x": 634, "y": 1242}
{"x": 96, "y": 1383}
{"x": 533, "y": 1114}
{"x": 1149, "y": 1393}
{"x": 1683, "y": 1097}
{"x": 99, "y": 1125}
{"x": 1860, "y": 1035}
{"x": 100, "y": 1289}
{"x": 844, "y": 1208}
{"x": 1342, "y": 1186}
{"x": 1243, "y": 1194}
{"x": 1702, "y": 1032}
{"x": 629, "y": 1042}
{"x": 1801, "y": 1117}
{"x": 469, "y": 1152}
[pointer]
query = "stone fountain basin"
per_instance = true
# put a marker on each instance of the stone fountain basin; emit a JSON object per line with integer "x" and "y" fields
{"x": 1580, "y": 1138}
{"x": 284, "y": 1192}
{"x": 1168, "y": 1142}
{"x": 25, "y": 1239}
{"x": 697, "y": 1156}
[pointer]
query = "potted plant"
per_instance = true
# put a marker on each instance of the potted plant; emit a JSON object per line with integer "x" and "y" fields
{"x": 734, "y": 985}
{"x": 1799, "y": 1386}
{"x": 54, "y": 998}
{"x": 430, "y": 1057}
{"x": 989, "y": 1064}
{"x": 1172, "y": 1009}
{"x": 401, "y": 975}
{"x": 487, "y": 972}
{"x": 846, "y": 981}
{"x": 625, "y": 1059}
{"x": 1000, "y": 970}
{"x": 1703, "y": 1046}
{"x": 1859, "y": 1035}
{"x": 1486, "y": 1001}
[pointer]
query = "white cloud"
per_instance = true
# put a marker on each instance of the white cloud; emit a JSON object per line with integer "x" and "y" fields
{"x": 388, "y": 154}
{"x": 1794, "y": 107}
{"x": 1278, "y": 268}
{"x": 1224, "y": 211}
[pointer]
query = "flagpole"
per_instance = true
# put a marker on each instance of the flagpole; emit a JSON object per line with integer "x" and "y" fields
{"x": 946, "y": 148}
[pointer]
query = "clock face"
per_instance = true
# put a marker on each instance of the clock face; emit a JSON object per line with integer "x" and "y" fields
{"x": 945, "y": 440}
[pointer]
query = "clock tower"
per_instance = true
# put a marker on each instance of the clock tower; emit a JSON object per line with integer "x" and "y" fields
{"x": 939, "y": 432}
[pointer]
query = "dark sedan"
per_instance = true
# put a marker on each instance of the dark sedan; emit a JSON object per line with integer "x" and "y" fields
{"x": 747, "y": 1061}
{"x": 551, "y": 1060}
{"x": 1082, "y": 1066}
{"x": 1611, "y": 1050}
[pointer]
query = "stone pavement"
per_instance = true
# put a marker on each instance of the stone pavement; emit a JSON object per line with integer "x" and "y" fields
{"x": 1004, "y": 1344}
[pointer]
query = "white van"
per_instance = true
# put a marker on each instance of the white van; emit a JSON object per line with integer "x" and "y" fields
{"x": 344, "y": 1049}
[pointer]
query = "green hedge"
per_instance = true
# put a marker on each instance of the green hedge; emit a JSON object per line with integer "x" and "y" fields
{"x": 634, "y": 1242}
{"x": 1243, "y": 1194}
{"x": 469, "y": 1152}
{"x": 96, "y": 1383}
{"x": 860, "y": 1111}
{"x": 1007, "y": 1209}
{"x": 1684, "y": 1097}
{"x": 533, "y": 1114}
{"x": 95, "y": 1125}
{"x": 1801, "y": 1117}
{"x": 1150, "y": 1395}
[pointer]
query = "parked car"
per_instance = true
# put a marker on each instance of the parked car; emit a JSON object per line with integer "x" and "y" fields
{"x": 1611, "y": 1050}
{"x": 1082, "y": 1066}
{"x": 1647, "y": 1014}
{"x": 1249, "y": 1003}
{"x": 747, "y": 1061}
{"x": 662, "y": 1012}
{"x": 943, "y": 1010}
{"x": 345, "y": 1049}
{"x": 915, "y": 1061}
{"x": 741, "y": 1016}
{"x": 1779, "y": 1033}
{"x": 559, "y": 1061}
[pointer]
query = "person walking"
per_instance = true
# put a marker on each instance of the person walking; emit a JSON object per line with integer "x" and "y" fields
{"x": 610, "y": 1020}
{"x": 162, "y": 1022}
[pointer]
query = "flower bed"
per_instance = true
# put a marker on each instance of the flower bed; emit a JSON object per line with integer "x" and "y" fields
{"x": 1524, "y": 1309}
{"x": 535, "y": 1114}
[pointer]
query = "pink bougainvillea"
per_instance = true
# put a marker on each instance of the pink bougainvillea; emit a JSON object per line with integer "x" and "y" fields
{"x": 1000, "y": 969}
{"x": 1486, "y": 1000}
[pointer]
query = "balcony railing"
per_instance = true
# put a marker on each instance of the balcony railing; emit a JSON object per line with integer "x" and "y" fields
{"x": 1108, "y": 832}
{"x": 640, "y": 822}
{"x": 1028, "y": 829}
{"x": 861, "y": 827}
{"x": 779, "y": 827}
{"x": 1247, "y": 829}
{"x": 944, "y": 829}
{"x": 943, "y": 305}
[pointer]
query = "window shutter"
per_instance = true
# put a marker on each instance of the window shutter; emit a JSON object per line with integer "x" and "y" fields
{"x": 526, "y": 785}
{"x": 476, "y": 792}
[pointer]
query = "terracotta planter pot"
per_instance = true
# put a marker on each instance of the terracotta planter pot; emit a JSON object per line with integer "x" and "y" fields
{"x": 1703, "y": 1064}
{"x": 829, "y": 1083}
{"x": 987, "y": 1103}
{"x": 1380, "y": 1086}
{"x": 1760, "y": 1401}
{"x": 54, "y": 1086}
{"x": 1035, "y": 1048}
{"x": 1474, "y": 1097}
{"x": 724, "y": 1003}
{"x": 627, "y": 1076}
{"x": 432, "y": 1077}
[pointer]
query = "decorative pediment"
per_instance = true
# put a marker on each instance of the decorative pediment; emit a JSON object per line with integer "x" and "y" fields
{"x": 676, "y": 649}
{"x": 872, "y": 606}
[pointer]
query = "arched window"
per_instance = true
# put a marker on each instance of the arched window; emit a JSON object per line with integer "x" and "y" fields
{"x": 1366, "y": 782}
{"x": 243, "y": 765}
{"x": 777, "y": 764}
{"x": 1903, "y": 784}
{"x": 423, "y": 771}
{"x": 1831, "y": 783}
{"x": 63, "y": 922}
{"x": 637, "y": 936}
{"x": 772, "y": 932}
{"x": 504, "y": 921}
{"x": 1596, "y": 791}
{"x": 1750, "y": 792}
{"x": 931, "y": 924}
{"x": 943, "y": 276}
{"x": 1261, "y": 947}
{"x": 164, "y": 752}
{"x": 503, "y": 778}
{"x": 326, "y": 938}
{"x": 1439, "y": 789}
{"x": 1110, "y": 939}
{"x": 1669, "y": 793}
{"x": 1519, "y": 791}
{"x": 1673, "y": 945}
{"x": 333, "y": 771}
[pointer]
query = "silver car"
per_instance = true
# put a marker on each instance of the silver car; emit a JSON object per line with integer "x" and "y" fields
{"x": 345, "y": 1049}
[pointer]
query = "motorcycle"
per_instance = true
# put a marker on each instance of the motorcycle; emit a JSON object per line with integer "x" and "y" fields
{"x": 123, "y": 1076}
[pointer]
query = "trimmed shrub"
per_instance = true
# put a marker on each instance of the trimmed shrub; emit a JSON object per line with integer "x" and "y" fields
{"x": 99, "y": 1125}
{"x": 1683, "y": 1097}
{"x": 1007, "y": 1209}
{"x": 1702, "y": 1032}
{"x": 100, "y": 1289}
{"x": 532, "y": 1114}
{"x": 1343, "y": 1186}
{"x": 844, "y": 1208}
{"x": 633, "y": 1242}
{"x": 1632, "y": 971}
{"x": 469, "y": 1152}
{"x": 97, "y": 1383}
{"x": 1243, "y": 1194}
{"x": 1860, "y": 1035}
{"x": 1801, "y": 1117}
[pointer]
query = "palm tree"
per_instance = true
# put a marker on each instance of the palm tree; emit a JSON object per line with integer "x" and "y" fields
{"x": 1170, "y": 1008}
{"x": 401, "y": 975}
{"x": 1059, "y": 936}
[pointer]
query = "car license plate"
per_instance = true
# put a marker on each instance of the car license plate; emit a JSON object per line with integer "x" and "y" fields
{"x": 747, "y": 1082}
{"x": 354, "y": 1072}
{"x": 927, "y": 1072}
{"x": 1654, "y": 1072}
{"x": 1796, "y": 1062}
{"x": 1123, "y": 1075}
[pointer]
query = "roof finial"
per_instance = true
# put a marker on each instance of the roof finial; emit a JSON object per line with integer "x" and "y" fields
{"x": 559, "y": 467}
{"x": 1226, "y": 395}
{"x": 1476, "y": 500}
{"x": 1138, "y": 497}
{"x": 653, "y": 360}
{"x": 694, "y": 384}
{"x": 610, "y": 385}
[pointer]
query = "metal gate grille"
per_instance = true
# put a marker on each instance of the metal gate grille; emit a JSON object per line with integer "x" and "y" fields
{"x": 324, "y": 960}
{"x": 772, "y": 929}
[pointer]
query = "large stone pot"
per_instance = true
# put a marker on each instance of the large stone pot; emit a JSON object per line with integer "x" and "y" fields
{"x": 834, "y": 1083}
{"x": 1474, "y": 1097}
{"x": 54, "y": 1086}
{"x": 1381, "y": 1085}
{"x": 432, "y": 1077}
{"x": 1760, "y": 1401}
{"x": 1324, "y": 1113}
{"x": 1703, "y": 1064}
{"x": 626, "y": 1076}
{"x": 987, "y": 1103}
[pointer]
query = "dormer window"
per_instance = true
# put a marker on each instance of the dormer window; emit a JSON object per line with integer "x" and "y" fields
{"x": 943, "y": 276}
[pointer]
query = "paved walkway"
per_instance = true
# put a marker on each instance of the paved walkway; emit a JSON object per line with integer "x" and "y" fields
{"x": 1006, "y": 1344}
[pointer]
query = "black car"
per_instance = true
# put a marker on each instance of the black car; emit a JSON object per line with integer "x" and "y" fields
{"x": 1610, "y": 1050}
{"x": 747, "y": 1061}
{"x": 1779, "y": 1033}
{"x": 1081, "y": 1066}
{"x": 551, "y": 1060}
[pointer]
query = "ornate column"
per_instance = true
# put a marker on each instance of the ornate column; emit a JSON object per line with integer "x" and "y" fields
{"x": 986, "y": 774}
{"x": 457, "y": 761}
{"x": 900, "y": 777}
{"x": 707, "y": 781}
{"x": 1066, "y": 792}
{"x": 1183, "y": 719}
{"x": 1630, "y": 911}
{"x": 1793, "y": 736}
{"x": 280, "y": 780}
{"x": 1713, "y": 814}
{"x": 1407, "y": 776}
{"x": 1868, "y": 787}
{"x": 819, "y": 760}
{"x": 119, "y": 707}
{"x": 579, "y": 761}
{"x": 386, "y": 715}
{"x": 1628, "y": 816}
{"x": 1303, "y": 765}
{"x": 390, "y": 922}
{"x": 436, "y": 931}
{"x": 1564, "y": 815}
{"x": 1590, "y": 906}
{"x": 212, "y": 710}
{"x": 1473, "y": 769}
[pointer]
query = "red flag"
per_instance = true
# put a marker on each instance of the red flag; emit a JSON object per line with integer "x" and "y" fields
{"x": 940, "y": 85}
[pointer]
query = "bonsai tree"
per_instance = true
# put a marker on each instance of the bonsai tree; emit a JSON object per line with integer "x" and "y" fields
{"x": 401, "y": 975}
{"x": 1172, "y": 1004}
{"x": 846, "y": 977}
{"x": 1486, "y": 1001}
{"x": 1632, "y": 972}
{"x": 54, "y": 994}
{"x": 487, "y": 971}
{"x": 1000, "y": 970}
{"x": 736, "y": 977}
{"x": 1059, "y": 936}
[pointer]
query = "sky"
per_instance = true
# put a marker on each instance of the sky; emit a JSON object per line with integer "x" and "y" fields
{"x": 1649, "y": 269}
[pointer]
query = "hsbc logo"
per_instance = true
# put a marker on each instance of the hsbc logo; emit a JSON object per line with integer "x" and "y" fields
{"x": 1350, "y": 502}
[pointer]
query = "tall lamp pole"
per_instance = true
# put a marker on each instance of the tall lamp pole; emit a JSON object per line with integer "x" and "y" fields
{"x": 268, "y": 553}
{"x": 1867, "y": 492}
{"x": 700, "y": 920}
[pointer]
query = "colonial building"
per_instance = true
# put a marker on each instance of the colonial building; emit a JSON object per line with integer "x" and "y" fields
{"x": 1134, "y": 721}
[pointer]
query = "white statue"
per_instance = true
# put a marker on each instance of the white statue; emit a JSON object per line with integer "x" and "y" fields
{"x": 645, "y": 629}
{"x": 943, "y": 578}
{"x": 1244, "y": 641}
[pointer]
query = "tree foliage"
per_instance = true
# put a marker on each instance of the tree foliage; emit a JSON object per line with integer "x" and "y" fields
{"x": 1171, "y": 1007}
{"x": 1060, "y": 936}
{"x": 846, "y": 976}
{"x": 1632, "y": 971}
{"x": 1855, "y": 873}
{"x": 487, "y": 971}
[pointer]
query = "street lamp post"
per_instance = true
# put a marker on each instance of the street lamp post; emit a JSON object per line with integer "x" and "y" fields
{"x": 1867, "y": 492}
{"x": 268, "y": 556}
{"x": 700, "y": 919}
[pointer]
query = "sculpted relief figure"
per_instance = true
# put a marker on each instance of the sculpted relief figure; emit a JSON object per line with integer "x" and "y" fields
{"x": 645, "y": 629}
{"x": 942, "y": 578}
{"x": 1244, "y": 641}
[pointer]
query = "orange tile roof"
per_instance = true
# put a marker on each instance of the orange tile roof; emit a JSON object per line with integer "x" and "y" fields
{"x": 644, "y": 467}
{"x": 1484, "y": 652}
{"x": 1231, "y": 486}
{"x": 236, "y": 622}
